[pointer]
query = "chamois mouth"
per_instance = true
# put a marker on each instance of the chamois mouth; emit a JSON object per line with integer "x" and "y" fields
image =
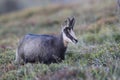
{"x": 75, "y": 41}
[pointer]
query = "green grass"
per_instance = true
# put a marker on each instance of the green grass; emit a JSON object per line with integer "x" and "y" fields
{"x": 95, "y": 57}
{"x": 98, "y": 62}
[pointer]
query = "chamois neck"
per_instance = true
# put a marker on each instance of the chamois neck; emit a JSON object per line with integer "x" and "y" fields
{"x": 65, "y": 43}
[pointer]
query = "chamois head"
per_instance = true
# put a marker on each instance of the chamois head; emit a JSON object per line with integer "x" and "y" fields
{"x": 67, "y": 31}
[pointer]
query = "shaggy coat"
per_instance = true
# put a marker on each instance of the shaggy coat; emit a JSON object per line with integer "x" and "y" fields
{"x": 42, "y": 48}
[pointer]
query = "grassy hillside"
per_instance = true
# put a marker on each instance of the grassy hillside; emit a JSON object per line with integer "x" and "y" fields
{"x": 95, "y": 57}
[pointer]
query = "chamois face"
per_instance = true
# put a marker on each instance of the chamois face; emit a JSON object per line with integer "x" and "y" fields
{"x": 67, "y": 31}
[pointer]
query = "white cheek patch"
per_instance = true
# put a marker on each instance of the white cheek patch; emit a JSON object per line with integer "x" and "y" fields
{"x": 65, "y": 38}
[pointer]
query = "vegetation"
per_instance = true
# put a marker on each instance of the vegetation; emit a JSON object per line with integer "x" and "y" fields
{"x": 95, "y": 57}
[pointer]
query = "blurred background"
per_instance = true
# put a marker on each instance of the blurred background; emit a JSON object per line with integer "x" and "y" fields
{"x": 7, "y": 6}
{"x": 19, "y": 17}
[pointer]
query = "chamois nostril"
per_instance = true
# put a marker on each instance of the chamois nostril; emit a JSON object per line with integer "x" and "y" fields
{"x": 76, "y": 40}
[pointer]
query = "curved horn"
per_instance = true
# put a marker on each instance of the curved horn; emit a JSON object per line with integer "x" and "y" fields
{"x": 72, "y": 22}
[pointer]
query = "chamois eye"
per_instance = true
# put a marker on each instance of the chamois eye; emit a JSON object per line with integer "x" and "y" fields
{"x": 68, "y": 30}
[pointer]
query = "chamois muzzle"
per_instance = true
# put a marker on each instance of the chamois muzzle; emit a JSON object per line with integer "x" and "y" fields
{"x": 75, "y": 41}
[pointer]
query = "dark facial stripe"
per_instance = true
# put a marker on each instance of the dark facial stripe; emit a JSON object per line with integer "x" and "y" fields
{"x": 66, "y": 31}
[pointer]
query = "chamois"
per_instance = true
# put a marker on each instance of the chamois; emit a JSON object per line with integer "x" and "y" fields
{"x": 46, "y": 48}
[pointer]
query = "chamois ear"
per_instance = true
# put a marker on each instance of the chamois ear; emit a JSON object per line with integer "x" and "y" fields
{"x": 72, "y": 22}
{"x": 66, "y": 23}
